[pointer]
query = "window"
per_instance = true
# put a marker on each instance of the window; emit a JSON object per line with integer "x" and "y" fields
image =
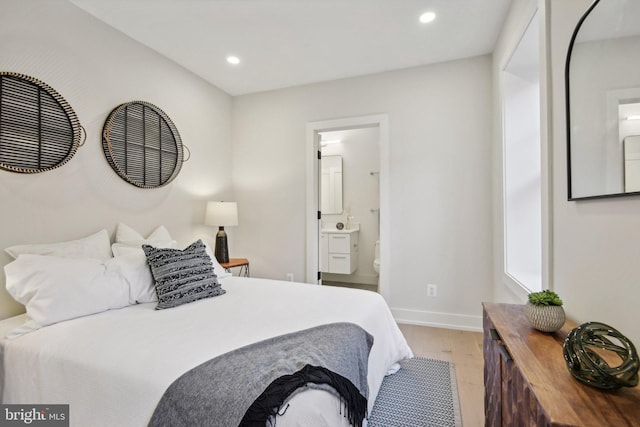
{"x": 522, "y": 170}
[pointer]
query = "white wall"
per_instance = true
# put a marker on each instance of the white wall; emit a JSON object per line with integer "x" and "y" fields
{"x": 440, "y": 181}
{"x": 361, "y": 192}
{"x": 96, "y": 68}
{"x": 596, "y": 243}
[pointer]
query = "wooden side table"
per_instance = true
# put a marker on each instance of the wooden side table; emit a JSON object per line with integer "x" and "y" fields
{"x": 243, "y": 263}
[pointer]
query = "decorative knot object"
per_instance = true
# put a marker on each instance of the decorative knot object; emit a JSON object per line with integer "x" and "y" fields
{"x": 587, "y": 365}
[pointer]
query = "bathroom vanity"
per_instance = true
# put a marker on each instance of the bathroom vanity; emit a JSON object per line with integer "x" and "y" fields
{"x": 339, "y": 251}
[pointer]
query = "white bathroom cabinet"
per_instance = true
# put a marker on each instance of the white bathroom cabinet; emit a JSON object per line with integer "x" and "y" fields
{"x": 339, "y": 251}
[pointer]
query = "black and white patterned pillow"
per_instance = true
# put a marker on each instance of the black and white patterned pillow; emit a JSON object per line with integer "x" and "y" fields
{"x": 182, "y": 276}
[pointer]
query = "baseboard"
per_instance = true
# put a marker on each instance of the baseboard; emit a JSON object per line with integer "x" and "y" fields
{"x": 438, "y": 320}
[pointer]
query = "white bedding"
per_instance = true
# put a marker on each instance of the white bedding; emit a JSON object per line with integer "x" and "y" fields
{"x": 113, "y": 367}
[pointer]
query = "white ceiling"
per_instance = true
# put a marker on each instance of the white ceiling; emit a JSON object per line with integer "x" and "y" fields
{"x": 284, "y": 43}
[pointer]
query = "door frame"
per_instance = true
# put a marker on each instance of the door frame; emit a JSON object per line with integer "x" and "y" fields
{"x": 381, "y": 121}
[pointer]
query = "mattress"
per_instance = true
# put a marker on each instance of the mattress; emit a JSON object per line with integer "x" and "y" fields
{"x": 113, "y": 367}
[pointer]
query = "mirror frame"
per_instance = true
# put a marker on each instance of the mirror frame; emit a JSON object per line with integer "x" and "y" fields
{"x": 570, "y": 196}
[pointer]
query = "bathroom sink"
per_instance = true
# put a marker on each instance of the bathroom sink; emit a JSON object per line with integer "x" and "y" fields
{"x": 335, "y": 230}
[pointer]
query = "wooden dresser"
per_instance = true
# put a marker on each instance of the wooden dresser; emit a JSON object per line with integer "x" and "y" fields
{"x": 527, "y": 382}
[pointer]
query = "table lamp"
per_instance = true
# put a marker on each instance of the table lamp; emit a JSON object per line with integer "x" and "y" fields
{"x": 221, "y": 214}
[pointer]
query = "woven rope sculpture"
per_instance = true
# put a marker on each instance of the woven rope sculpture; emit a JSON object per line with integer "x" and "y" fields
{"x": 587, "y": 365}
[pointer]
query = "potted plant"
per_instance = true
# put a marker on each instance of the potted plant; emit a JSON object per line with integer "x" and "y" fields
{"x": 544, "y": 311}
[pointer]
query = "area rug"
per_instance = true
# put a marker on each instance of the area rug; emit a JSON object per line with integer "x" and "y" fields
{"x": 422, "y": 393}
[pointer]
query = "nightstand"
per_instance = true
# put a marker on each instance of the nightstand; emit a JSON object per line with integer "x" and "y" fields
{"x": 243, "y": 263}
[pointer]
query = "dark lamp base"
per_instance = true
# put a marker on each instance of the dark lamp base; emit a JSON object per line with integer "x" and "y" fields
{"x": 222, "y": 249}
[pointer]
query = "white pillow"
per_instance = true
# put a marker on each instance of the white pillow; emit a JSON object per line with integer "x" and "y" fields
{"x": 135, "y": 247}
{"x": 135, "y": 271}
{"x": 95, "y": 246}
{"x": 54, "y": 289}
{"x": 127, "y": 238}
{"x": 217, "y": 268}
{"x": 126, "y": 234}
{"x": 124, "y": 249}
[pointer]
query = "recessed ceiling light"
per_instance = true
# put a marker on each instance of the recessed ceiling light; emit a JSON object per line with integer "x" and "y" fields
{"x": 233, "y": 60}
{"x": 427, "y": 17}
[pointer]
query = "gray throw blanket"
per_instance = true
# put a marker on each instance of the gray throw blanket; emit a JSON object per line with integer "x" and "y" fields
{"x": 220, "y": 391}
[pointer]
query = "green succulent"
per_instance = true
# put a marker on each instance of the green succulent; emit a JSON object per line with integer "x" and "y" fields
{"x": 546, "y": 297}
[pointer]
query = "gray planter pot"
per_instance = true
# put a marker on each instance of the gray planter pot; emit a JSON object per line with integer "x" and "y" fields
{"x": 545, "y": 318}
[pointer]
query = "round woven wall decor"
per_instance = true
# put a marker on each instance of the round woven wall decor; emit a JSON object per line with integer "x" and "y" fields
{"x": 39, "y": 130}
{"x": 142, "y": 144}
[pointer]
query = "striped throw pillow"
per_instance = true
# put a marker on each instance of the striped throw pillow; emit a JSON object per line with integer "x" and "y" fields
{"x": 182, "y": 276}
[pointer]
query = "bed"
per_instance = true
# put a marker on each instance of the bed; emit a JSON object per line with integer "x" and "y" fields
{"x": 112, "y": 367}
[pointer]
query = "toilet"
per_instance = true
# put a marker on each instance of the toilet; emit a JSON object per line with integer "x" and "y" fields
{"x": 376, "y": 258}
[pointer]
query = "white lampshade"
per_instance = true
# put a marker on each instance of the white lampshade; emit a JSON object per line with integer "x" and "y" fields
{"x": 221, "y": 214}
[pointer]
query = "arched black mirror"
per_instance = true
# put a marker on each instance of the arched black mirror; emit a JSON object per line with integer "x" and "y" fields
{"x": 602, "y": 80}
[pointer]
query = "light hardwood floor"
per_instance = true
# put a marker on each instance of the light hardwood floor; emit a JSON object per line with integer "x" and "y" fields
{"x": 464, "y": 350}
{"x": 373, "y": 288}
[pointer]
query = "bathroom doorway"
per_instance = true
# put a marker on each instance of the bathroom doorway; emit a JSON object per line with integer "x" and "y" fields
{"x": 362, "y": 156}
{"x": 349, "y": 190}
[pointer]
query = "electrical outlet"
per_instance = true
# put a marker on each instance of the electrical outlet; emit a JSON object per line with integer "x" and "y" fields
{"x": 432, "y": 290}
{"x": 290, "y": 277}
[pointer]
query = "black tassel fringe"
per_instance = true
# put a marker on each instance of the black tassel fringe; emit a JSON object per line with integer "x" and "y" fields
{"x": 268, "y": 404}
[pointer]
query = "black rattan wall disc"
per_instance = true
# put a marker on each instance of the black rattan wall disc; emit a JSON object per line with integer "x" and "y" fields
{"x": 39, "y": 130}
{"x": 142, "y": 144}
